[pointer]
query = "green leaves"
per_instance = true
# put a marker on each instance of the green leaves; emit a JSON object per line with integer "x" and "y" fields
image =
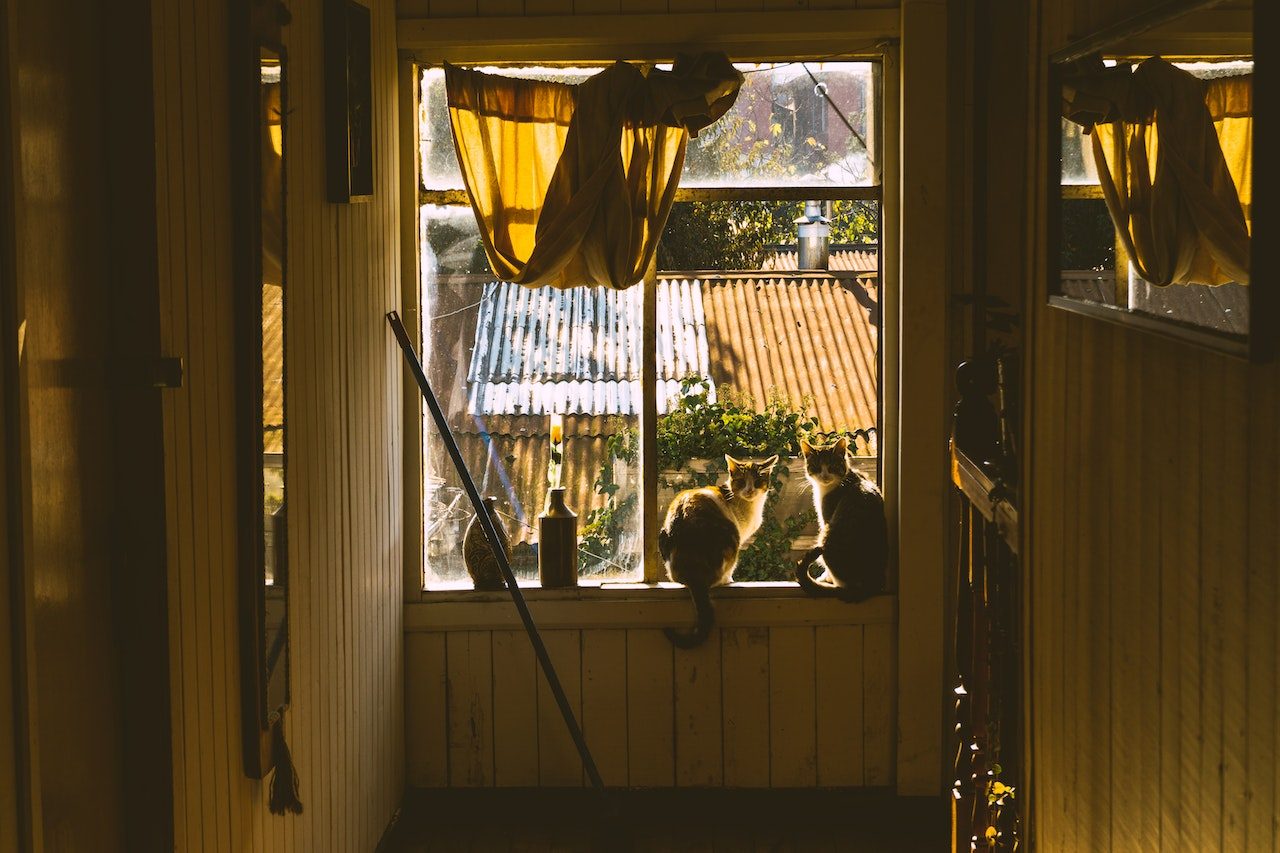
{"x": 698, "y": 428}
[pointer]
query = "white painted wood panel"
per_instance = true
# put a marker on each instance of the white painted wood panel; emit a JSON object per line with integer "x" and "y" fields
{"x": 650, "y": 709}
{"x": 558, "y": 761}
{"x": 838, "y": 681}
{"x": 604, "y": 701}
{"x": 345, "y": 722}
{"x": 745, "y": 679}
{"x": 699, "y": 715}
{"x": 793, "y": 729}
{"x": 772, "y": 705}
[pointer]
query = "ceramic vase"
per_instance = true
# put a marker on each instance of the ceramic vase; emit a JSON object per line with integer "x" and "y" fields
{"x": 557, "y": 542}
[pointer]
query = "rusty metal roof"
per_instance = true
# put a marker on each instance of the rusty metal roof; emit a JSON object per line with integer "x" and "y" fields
{"x": 812, "y": 338}
{"x": 862, "y": 259}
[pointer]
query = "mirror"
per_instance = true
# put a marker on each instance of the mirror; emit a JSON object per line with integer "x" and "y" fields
{"x": 259, "y": 146}
{"x": 1151, "y": 187}
{"x": 275, "y": 550}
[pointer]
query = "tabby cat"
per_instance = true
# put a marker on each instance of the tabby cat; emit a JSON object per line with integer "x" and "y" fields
{"x": 853, "y": 542}
{"x": 704, "y": 529}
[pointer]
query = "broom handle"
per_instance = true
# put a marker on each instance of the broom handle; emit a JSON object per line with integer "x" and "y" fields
{"x": 491, "y": 533}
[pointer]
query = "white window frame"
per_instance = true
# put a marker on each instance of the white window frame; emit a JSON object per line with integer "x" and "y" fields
{"x": 654, "y": 573}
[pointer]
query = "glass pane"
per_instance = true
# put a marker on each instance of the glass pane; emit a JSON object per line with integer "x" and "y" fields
{"x": 272, "y": 312}
{"x": 439, "y": 161}
{"x": 1078, "y": 166}
{"x": 789, "y": 127}
{"x": 786, "y": 127}
{"x": 502, "y": 358}
{"x": 789, "y": 349}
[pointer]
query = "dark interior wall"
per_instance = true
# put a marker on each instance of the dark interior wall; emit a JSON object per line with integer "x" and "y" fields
{"x": 1153, "y": 648}
{"x": 63, "y": 420}
{"x": 84, "y": 485}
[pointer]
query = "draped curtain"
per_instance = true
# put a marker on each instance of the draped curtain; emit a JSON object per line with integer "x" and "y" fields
{"x": 572, "y": 184}
{"x": 1174, "y": 158}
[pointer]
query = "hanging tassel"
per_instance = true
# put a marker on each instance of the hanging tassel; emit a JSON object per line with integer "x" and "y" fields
{"x": 284, "y": 779}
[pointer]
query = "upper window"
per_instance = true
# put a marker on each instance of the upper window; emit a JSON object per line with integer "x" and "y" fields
{"x": 761, "y": 335}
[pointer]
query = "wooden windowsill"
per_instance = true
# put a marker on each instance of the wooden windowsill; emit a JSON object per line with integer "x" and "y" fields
{"x": 637, "y": 605}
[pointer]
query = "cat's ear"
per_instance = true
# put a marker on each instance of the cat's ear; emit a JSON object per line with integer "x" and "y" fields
{"x": 805, "y": 447}
{"x": 767, "y": 465}
{"x": 733, "y": 464}
{"x": 842, "y": 445}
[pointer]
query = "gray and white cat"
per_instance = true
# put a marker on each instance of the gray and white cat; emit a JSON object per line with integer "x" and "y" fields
{"x": 703, "y": 532}
{"x": 853, "y": 542}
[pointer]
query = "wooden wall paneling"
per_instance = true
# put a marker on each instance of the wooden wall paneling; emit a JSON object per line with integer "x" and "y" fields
{"x": 738, "y": 5}
{"x": 1146, "y": 515}
{"x": 558, "y": 761}
{"x": 1230, "y": 512}
{"x": 1050, "y": 607}
{"x": 346, "y": 718}
{"x": 1127, "y": 745}
{"x": 426, "y": 703}
{"x": 879, "y": 672}
{"x": 1074, "y": 731}
{"x": 1162, "y": 453}
{"x": 452, "y": 8}
{"x": 1185, "y": 551}
{"x": 414, "y": 8}
{"x": 792, "y": 708}
{"x": 515, "y": 710}
{"x": 548, "y": 7}
{"x": 496, "y": 8}
{"x": 698, "y": 715}
{"x": 1262, "y": 716}
{"x": 1214, "y": 486}
{"x": 744, "y": 664}
{"x": 597, "y": 7}
{"x": 838, "y": 678}
{"x": 470, "y": 691}
{"x": 651, "y": 6}
{"x": 650, "y": 708}
{"x": 604, "y": 702}
{"x": 1097, "y": 510}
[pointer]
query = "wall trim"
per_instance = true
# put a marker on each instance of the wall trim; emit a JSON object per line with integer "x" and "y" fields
{"x": 755, "y": 35}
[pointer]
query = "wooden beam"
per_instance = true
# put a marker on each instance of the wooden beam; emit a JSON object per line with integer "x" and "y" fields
{"x": 743, "y": 35}
{"x": 923, "y": 382}
{"x": 410, "y": 302}
{"x": 652, "y": 607}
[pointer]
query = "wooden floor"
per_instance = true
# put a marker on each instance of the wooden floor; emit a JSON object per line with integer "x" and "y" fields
{"x": 692, "y": 820}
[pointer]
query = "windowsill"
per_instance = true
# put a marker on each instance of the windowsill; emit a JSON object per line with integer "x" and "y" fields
{"x": 638, "y": 605}
{"x": 461, "y": 590}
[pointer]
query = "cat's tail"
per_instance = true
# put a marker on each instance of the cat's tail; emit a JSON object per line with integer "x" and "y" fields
{"x": 813, "y": 586}
{"x": 706, "y": 619}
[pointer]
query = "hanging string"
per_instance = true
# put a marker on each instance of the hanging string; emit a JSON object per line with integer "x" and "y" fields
{"x": 284, "y": 779}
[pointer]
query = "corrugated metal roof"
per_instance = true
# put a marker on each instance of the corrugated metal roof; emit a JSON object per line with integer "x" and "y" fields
{"x": 542, "y": 350}
{"x": 272, "y": 368}
{"x": 861, "y": 259}
{"x": 815, "y": 340}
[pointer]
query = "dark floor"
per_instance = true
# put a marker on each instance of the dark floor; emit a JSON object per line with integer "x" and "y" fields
{"x": 683, "y": 820}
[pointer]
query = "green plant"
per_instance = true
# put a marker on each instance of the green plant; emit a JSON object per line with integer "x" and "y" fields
{"x": 604, "y": 527}
{"x": 698, "y": 427}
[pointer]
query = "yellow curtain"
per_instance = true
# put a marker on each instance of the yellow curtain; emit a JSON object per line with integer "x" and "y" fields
{"x": 1174, "y": 162}
{"x": 571, "y": 185}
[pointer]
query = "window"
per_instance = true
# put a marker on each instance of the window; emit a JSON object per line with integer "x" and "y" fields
{"x": 752, "y": 338}
{"x": 1094, "y": 268}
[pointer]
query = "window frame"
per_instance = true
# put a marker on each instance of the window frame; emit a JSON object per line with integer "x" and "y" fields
{"x": 883, "y": 53}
